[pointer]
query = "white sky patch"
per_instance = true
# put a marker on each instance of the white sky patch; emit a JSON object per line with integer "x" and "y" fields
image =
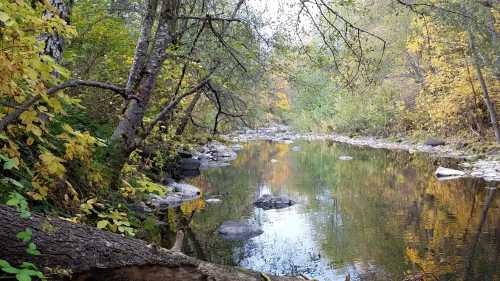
{"x": 281, "y": 16}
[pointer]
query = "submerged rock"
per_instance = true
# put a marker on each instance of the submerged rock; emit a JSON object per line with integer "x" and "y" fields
{"x": 345, "y": 158}
{"x": 213, "y": 201}
{"x": 446, "y": 173}
{"x": 239, "y": 230}
{"x": 434, "y": 142}
{"x": 268, "y": 202}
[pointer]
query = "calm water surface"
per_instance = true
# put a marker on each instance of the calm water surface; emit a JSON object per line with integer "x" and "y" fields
{"x": 381, "y": 216}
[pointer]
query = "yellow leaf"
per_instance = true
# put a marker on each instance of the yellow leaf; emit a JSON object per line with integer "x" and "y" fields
{"x": 53, "y": 164}
{"x": 28, "y": 117}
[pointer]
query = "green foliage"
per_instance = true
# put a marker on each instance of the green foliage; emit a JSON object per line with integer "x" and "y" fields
{"x": 25, "y": 272}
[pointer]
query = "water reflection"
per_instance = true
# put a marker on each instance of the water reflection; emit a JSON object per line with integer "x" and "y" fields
{"x": 380, "y": 216}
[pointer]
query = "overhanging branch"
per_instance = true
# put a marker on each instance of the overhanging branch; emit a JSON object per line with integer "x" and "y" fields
{"x": 12, "y": 116}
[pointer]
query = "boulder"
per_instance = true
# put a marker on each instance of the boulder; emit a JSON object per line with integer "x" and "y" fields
{"x": 239, "y": 230}
{"x": 184, "y": 154}
{"x": 189, "y": 164}
{"x": 268, "y": 202}
{"x": 434, "y": 142}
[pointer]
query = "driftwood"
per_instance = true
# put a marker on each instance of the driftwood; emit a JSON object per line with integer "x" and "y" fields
{"x": 83, "y": 253}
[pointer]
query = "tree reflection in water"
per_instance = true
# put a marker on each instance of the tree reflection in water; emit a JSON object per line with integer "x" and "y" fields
{"x": 380, "y": 216}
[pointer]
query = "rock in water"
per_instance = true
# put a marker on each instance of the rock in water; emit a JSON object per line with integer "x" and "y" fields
{"x": 345, "y": 158}
{"x": 237, "y": 147}
{"x": 434, "y": 142}
{"x": 181, "y": 192}
{"x": 189, "y": 164}
{"x": 213, "y": 201}
{"x": 296, "y": 148}
{"x": 239, "y": 230}
{"x": 268, "y": 202}
{"x": 185, "y": 189}
{"x": 442, "y": 172}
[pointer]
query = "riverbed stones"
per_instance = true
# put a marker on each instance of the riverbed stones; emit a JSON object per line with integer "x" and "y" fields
{"x": 268, "y": 202}
{"x": 217, "y": 151}
{"x": 215, "y": 154}
{"x": 239, "y": 230}
{"x": 487, "y": 169}
{"x": 180, "y": 193}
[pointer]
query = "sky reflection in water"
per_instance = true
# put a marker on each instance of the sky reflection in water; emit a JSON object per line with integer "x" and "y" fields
{"x": 380, "y": 216}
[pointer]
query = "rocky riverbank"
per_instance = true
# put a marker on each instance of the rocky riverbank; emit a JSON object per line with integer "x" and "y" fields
{"x": 486, "y": 167}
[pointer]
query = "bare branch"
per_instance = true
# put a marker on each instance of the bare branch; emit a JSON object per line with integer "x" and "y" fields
{"x": 209, "y": 17}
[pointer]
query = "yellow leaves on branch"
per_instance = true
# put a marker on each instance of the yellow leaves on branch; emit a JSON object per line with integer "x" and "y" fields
{"x": 52, "y": 164}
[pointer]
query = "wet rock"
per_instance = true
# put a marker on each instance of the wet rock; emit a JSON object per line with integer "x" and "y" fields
{"x": 239, "y": 230}
{"x": 181, "y": 192}
{"x": 268, "y": 202}
{"x": 237, "y": 147}
{"x": 345, "y": 158}
{"x": 185, "y": 189}
{"x": 181, "y": 174}
{"x": 184, "y": 154}
{"x": 141, "y": 209}
{"x": 217, "y": 151}
{"x": 442, "y": 172}
{"x": 189, "y": 164}
{"x": 215, "y": 154}
{"x": 296, "y": 148}
{"x": 434, "y": 142}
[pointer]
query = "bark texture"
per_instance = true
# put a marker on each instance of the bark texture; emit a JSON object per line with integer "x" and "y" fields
{"x": 54, "y": 43}
{"x": 92, "y": 254}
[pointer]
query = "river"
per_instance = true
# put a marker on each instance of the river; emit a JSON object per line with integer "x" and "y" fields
{"x": 380, "y": 216}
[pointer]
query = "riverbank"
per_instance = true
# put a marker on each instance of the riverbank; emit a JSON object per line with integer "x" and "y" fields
{"x": 486, "y": 167}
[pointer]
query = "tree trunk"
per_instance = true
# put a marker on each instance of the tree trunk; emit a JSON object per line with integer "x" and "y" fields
{"x": 487, "y": 100}
{"x": 54, "y": 42}
{"x": 142, "y": 80}
{"x": 187, "y": 114}
{"x": 91, "y": 254}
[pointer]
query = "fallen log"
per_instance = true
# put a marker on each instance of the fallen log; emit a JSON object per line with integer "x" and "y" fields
{"x": 83, "y": 253}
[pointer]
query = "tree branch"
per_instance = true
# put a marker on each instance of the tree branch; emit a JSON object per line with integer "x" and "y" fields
{"x": 12, "y": 116}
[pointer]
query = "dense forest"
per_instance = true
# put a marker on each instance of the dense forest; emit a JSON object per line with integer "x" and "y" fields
{"x": 99, "y": 97}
